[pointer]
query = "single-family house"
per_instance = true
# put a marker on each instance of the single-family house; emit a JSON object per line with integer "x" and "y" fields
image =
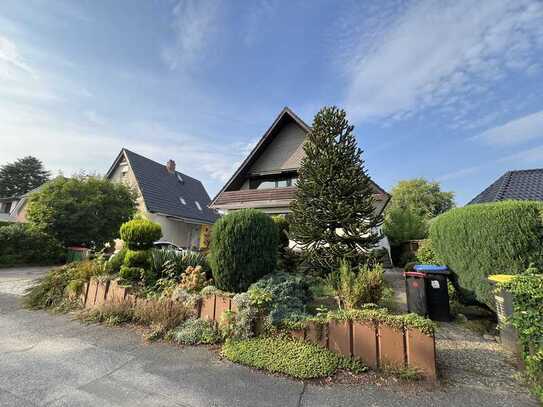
{"x": 176, "y": 201}
{"x": 14, "y": 209}
{"x": 266, "y": 179}
{"x": 525, "y": 185}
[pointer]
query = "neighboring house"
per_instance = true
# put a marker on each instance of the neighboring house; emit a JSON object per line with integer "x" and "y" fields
{"x": 177, "y": 202}
{"x": 266, "y": 180}
{"x": 526, "y": 185}
{"x": 14, "y": 209}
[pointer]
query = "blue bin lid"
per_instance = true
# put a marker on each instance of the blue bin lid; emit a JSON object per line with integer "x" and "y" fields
{"x": 430, "y": 268}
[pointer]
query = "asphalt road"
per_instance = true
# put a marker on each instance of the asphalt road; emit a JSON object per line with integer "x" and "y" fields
{"x": 54, "y": 360}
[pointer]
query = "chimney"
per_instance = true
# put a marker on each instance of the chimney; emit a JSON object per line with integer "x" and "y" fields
{"x": 170, "y": 166}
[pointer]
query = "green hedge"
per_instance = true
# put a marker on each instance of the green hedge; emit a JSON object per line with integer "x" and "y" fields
{"x": 480, "y": 240}
{"x": 243, "y": 249}
{"x": 22, "y": 244}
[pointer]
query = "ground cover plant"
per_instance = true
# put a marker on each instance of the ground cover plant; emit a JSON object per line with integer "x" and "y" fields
{"x": 243, "y": 249}
{"x": 195, "y": 331}
{"x": 480, "y": 240}
{"x": 294, "y": 358}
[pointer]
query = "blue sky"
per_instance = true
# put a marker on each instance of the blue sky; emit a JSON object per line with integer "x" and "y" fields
{"x": 449, "y": 91}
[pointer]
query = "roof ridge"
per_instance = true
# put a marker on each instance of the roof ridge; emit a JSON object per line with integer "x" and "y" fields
{"x": 157, "y": 163}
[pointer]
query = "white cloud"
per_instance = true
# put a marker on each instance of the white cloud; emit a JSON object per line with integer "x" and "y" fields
{"x": 529, "y": 156}
{"x": 194, "y": 24}
{"x": 438, "y": 53}
{"x": 515, "y": 131}
{"x": 10, "y": 58}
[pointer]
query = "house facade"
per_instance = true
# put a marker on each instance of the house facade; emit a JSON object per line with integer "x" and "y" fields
{"x": 267, "y": 178}
{"x": 176, "y": 201}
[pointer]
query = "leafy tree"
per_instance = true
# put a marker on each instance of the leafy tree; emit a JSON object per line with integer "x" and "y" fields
{"x": 424, "y": 198}
{"x": 82, "y": 210}
{"x": 333, "y": 214}
{"x": 402, "y": 224}
{"x": 22, "y": 176}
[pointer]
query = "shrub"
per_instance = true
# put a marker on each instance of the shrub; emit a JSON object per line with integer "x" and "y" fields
{"x": 162, "y": 316}
{"x": 353, "y": 288}
{"x": 194, "y": 279}
{"x": 282, "y": 230}
{"x": 110, "y": 313}
{"x": 131, "y": 274}
{"x": 140, "y": 234}
{"x": 51, "y": 290}
{"x": 297, "y": 359}
{"x": 137, "y": 258}
{"x": 82, "y": 210}
{"x": 173, "y": 264}
{"x": 243, "y": 249}
{"x": 195, "y": 332}
{"x": 480, "y": 240}
{"x": 426, "y": 254}
{"x": 23, "y": 244}
{"x": 289, "y": 295}
{"x": 114, "y": 264}
{"x": 528, "y": 320}
{"x": 403, "y": 224}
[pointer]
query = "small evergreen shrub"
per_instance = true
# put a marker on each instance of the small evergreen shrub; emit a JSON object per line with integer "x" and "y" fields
{"x": 131, "y": 274}
{"x": 480, "y": 240}
{"x": 137, "y": 258}
{"x": 243, "y": 249}
{"x": 289, "y": 295}
{"x": 195, "y": 332}
{"x": 23, "y": 244}
{"x": 297, "y": 359}
{"x": 140, "y": 234}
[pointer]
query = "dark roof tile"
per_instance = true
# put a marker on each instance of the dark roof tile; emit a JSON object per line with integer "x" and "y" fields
{"x": 526, "y": 185}
{"x": 162, "y": 190}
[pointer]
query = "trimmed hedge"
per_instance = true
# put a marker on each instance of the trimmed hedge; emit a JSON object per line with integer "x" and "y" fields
{"x": 243, "y": 249}
{"x": 140, "y": 234}
{"x": 23, "y": 244}
{"x": 480, "y": 240}
{"x": 297, "y": 359}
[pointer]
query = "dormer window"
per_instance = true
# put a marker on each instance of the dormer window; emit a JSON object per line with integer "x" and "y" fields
{"x": 180, "y": 178}
{"x": 198, "y": 205}
{"x": 182, "y": 200}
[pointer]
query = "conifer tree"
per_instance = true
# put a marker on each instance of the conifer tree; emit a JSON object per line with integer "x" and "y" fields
{"x": 333, "y": 216}
{"x": 22, "y": 176}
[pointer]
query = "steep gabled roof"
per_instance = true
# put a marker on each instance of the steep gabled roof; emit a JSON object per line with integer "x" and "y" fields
{"x": 162, "y": 190}
{"x": 517, "y": 185}
{"x": 285, "y": 116}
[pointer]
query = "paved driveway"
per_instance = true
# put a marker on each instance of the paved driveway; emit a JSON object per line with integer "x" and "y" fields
{"x": 55, "y": 361}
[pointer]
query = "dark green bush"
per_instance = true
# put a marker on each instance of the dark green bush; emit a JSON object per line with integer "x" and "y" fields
{"x": 297, "y": 359}
{"x": 243, "y": 249}
{"x": 139, "y": 234}
{"x": 480, "y": 240}
{"x": 23, "y": 244}
{"x": 290, "y": 295}
{"x": 282, "y": 229}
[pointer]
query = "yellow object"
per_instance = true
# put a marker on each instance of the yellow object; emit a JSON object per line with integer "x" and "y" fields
{"x": 501, "y": 278}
